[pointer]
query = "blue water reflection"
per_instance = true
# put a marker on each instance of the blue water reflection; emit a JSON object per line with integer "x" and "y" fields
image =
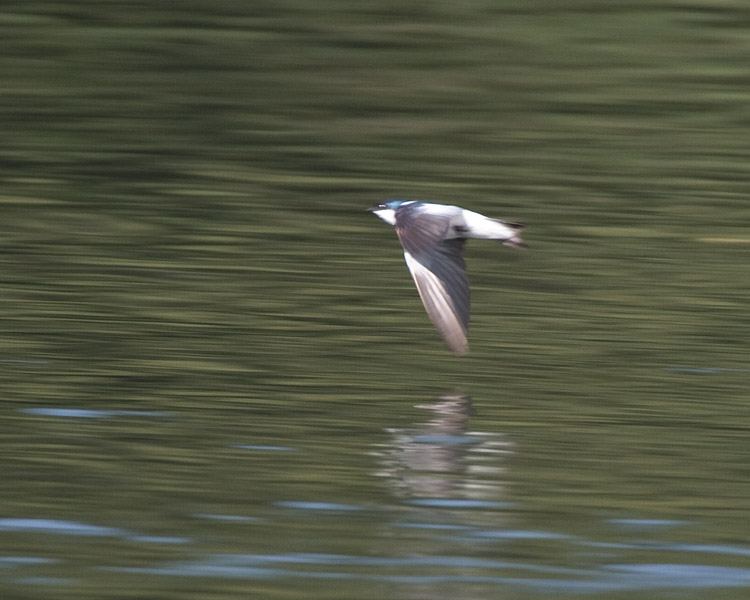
{"x": 229, "y": 518}
{"x": 453, "y": 569}
{"x": 265, "y": 448}
{"x": 10, "y": 561}
{"x": 58, "y": 527}
{"x": 43, "y": 581}
{"x": 83, "y": 413}
{"x": 681, "y": 576}
{"x": 646, "y": 524}
{"x": 457, "y": 503}
{"x": 444, "y": 513}
{"x": 73, "y": 528}
{"x": 318, "y": 506}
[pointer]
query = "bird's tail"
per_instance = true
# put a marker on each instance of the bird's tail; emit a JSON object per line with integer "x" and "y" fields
{"x": 515, "y": 240}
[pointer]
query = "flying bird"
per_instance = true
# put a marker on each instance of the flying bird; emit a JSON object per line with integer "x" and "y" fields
{"x": 433, "y": 236}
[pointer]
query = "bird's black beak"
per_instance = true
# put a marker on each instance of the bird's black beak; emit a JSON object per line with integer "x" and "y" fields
{"x": 373, "y": 208}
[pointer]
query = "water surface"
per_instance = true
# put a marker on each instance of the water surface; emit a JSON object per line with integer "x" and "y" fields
{"x": 217, "y": 379}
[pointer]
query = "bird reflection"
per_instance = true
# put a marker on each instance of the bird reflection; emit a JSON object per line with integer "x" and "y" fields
{"x": 442, "y": 460}
{"x": 450, "y": 485}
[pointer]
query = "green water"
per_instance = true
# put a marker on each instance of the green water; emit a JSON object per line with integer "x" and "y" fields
{"x": 186, "y": 264}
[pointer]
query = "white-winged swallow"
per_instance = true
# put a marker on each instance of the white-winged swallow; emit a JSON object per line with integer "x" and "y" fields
{"x": 433, "y": 236}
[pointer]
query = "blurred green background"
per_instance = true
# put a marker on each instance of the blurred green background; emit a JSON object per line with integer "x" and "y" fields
{"x": 182, "y": 230}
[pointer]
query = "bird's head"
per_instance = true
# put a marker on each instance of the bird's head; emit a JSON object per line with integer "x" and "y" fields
{"x": 386, "y": 205}
{"x": 386, "y": 210}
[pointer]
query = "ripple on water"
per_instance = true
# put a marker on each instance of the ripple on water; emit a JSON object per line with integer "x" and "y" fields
{"x": 458, "y": 503}
{"x": 229, "y": 518}
{"x": 434, "y": 526}
{"x": 272, "y": 565}
{"x": 444, "y": 439}
{"x": 319, "y": 506}
{"x": 452, "y": 569}
{"x": 265, "y": 448}
{"x": 84, "y": 413}
{"x": 682, "y": 576}
{"x": 59, "y": 527}
{"x": 159, "y": 539}
{"x": 648, "y": 523}
{"x": 18, "y": 561}
{"x": 520, "y": 534}
{"x": 43, "y": 581}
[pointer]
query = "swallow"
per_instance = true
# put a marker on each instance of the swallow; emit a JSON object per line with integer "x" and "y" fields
{"x": 433, "y": 238}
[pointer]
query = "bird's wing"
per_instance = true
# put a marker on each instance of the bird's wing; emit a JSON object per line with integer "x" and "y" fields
{"x": 419, "y": 230}
{"x": 446, "y": 301}
{"x": 439, "y": 271}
